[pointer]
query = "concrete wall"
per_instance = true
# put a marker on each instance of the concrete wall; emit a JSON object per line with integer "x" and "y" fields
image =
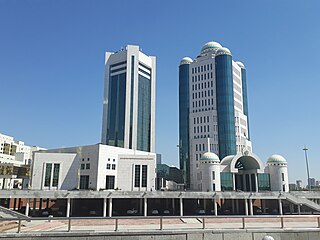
{"x": 192, "y": 235}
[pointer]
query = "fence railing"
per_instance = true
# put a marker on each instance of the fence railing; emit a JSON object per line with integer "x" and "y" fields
{"x": 197, "y": 222}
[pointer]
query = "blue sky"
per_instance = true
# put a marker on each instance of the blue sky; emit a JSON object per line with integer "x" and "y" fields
{"x": 52, "y": 67}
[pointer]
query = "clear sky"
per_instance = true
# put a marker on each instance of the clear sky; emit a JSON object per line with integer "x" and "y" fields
{"x": 52, "y": 67}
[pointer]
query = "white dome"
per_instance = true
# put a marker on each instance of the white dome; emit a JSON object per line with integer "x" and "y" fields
{"x": 240, "y": 64}
{"x": 277, "y": 159}
{"x": 209, "y": 46}
{"x": 223, "y": 51}
{"x": 227, "y": 160}
{"x": 186, "y": 60}
{"x": 210, "y": 156}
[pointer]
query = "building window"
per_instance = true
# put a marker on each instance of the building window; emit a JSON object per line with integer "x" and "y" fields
{"x": 144, "y": 175}
{"x": 108, "y": 165}
{"x": 55, "y": 179}
{"x": 110, "y": 182}
{"x": 108, "y": 159}
{"x": 84, "y": 182}
{"x": 282, "y": 175}
{"x": 264, "y": 181}
{"x": 113, "y": 167}
{"x": 47, "y": 179}
{"x": 82, "y": 166}
{"x": 226, "y": 181}
{"x": 137, "y": 176}
{"x": 88, "y": 166}
{"x": 213, "y": 175}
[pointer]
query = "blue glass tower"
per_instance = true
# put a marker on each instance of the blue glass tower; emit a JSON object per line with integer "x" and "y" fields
{"x": 244, "y": 94}
{"x": 184, "y": 118}
{"x": 225, "y": 103}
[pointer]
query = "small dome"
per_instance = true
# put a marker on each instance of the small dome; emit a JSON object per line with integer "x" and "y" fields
{"x": 223, "y": 51}
{"x": 209, "y": 46}
{"x": 186, "y": 60}
{"x": 277, "y": 159}
{"x": 240, "y": 64}
{"x": 210, "y": 156}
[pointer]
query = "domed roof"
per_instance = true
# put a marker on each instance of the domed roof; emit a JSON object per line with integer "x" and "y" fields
{"x": 240, "y": 64}
{"x": 227, "y": 160}
{"x": 210, "y": 46}
{"x": 186, "y": 60}
{"x": 223, "y": 50}
{"x": 277, "y": 159}
{"x": 209, "y": 156}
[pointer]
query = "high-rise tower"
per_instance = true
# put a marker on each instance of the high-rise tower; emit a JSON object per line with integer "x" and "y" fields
{"x": 129, "y": 100}
{"x": 212, "y": 104}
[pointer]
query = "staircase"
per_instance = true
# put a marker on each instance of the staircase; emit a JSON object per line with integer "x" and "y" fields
{"x": 303, "y": 201}
{"x": 7, "y": 213}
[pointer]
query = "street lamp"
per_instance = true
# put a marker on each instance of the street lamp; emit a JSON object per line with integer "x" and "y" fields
{"x": 305, "y": 153}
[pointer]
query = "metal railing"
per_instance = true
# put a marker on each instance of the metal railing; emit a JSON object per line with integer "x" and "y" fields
{"x": 202, "y": 221}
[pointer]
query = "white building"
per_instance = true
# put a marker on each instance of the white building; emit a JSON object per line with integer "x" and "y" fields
{"x": 129, "y": 100}
{"x": 95, "y": 167}
{"x": 212, "y": 104}
{"x": 243, "y": 172}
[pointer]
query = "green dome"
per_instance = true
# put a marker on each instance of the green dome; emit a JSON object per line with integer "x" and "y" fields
{"x": 186, "y": 60}
{"x": 210, "y": 46}
{"x": 209, "y": 156}
{"x": 275, "y": 159}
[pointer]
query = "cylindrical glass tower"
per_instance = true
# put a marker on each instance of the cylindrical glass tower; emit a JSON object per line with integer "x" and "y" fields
{"x": 225, "y": 103}
{"x": 184, "y": 119}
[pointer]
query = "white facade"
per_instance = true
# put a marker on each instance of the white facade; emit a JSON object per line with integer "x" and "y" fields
{"x": 134, "y": 64}
{"x": 203, "y": 119}
{"x": 12, "y": 151}
{"x": 95, "y": 167}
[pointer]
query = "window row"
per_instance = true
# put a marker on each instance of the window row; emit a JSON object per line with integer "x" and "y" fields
{"x": 202, "y": 94}
{"x": 140, "y": 175}
{"x": 203, "y": 103}
{"x": 201, "y": 129}
{"x": 204, "y": 119}
{"x": 202, "y": 109}
{"x": 202, "y": 77}
{"x": 203, "y": 85}
{"x": 111, "y": 166}
{"x": 202, "y": 68}
{"x": 85, "y": 166}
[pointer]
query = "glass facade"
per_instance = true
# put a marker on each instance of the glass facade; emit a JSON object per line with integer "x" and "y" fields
{"x": 264, "y": 181}
{"x": 184, "y": 122}
{"x": 47, "y": 179}
{"x": 144, "y": 113}
{"x": 131, "y": 101}
{"x": 116, "y": 110}
{"x": 55, "y": 179}
{"x": 245, "y": 97}
{"x": 225, "y": 106}
{"x": 226, "y": 179}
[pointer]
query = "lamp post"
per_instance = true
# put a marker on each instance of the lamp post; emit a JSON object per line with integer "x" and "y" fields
{"x": 305, "y": 153}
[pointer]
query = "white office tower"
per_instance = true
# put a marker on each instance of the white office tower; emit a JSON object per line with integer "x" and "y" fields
{"x": 212, "y": 104}
{"x": 129, "y": 100}
{"x": 277, "y": 167}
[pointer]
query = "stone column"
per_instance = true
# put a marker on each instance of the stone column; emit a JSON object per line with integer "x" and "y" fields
{"x": 257, "y": 183}
{"x": 234, "y": 181}
{"x": 299, "y": 209}
{"x": 251, "y": 206}
{"x": 110, "y": 207}
{"x": 215, "y": 208}
{"x": 68, "y": 207}
{"x": 250, "y": 183}
{"x": 244, "y": 183}
{"x": 104, "y": 209}
{"x": 246, "y": 207}
{"x": 27, "y": 207}
{"x": 280, "y": 207}
{"x": 181, "y": 207}
{"x": 145, "y": 205}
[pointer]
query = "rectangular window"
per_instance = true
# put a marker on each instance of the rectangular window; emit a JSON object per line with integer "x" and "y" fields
{"x": 108, "y": 165}
{"x": 82, "y": 166}
{"x": 213, "y": 187}
{"x": 88, "y": 166}
{"x": 56, "y": 170}
{"x": 110, "y": 182}
{"x": 213, "y": 175}
{"x": 282, "y": 175}
{"x": 113, "y": 167}
{"x": 137, "y": 176}
{"x": 144, "y": 175}
{"x": 84, "y": 181}
{"x": 47, "y": 179}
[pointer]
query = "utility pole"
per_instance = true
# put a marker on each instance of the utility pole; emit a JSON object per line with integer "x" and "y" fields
{"x": 308, "y": 180}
